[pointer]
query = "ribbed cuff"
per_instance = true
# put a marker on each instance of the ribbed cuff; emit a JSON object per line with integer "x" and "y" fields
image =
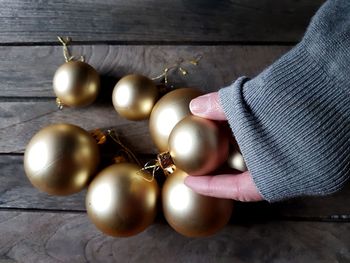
{"x": 292, "y": 125}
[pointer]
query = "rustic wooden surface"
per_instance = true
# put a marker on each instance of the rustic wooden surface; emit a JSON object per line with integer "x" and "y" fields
{"x": 152, "y": 20}
{"x": 222, "y": 64}
{"x": 69, "y": 237}
{"x": 117, "y": 37}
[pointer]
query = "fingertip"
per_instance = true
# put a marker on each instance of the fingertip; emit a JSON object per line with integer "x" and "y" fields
{"x": 195, "y": 106}
{"x": 207, "y": 106}
{"x": 189, "y": 181}
{"x": 197, "y": 184}
{"x": 238, "y": 187}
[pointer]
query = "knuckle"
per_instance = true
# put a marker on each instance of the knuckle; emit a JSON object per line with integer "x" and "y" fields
{"x": 238, "y": 192}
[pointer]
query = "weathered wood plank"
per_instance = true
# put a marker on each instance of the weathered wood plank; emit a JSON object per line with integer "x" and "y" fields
{"x": 28, "y": 71}
{"x": 19, "y": 121}
{"x": 136, "y": 20}
{"x": 17, "y": 192}
{"x": 51, "y": 237}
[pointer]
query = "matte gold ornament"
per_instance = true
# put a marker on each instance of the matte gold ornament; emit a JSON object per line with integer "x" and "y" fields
{"x": 76, "y": 84}
{"x": 189, "y": 213}
{"x": 197, "y": 145}
{"x": 121, "y": 201}
{"x": 134, "y": 97}
{"x": 60, "y": 159}
{"x": 168, "y": 111}
{"x": 235, "y": 160}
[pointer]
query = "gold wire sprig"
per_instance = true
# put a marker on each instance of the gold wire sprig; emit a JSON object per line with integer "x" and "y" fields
{"x": 177, "y": 66}
{"x": 114, "y": 136}
{"x": 163, "y": 161}
{"x": 146, "y": 169}
{"x": 101, "y": 138}
{"x": 65, "y": 41}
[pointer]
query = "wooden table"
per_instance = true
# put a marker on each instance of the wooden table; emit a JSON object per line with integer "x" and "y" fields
{"x": 118, "y": 37}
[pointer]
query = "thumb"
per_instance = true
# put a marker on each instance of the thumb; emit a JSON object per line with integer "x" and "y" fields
{"x": 208, "y": 106}
{"x": 239, "y": 187}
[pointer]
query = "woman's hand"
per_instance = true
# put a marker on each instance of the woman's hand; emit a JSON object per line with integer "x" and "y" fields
{"x": 233, "y": 186}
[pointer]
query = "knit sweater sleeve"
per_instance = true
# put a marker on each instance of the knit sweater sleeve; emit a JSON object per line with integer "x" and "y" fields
{"x": 292, "y": 121}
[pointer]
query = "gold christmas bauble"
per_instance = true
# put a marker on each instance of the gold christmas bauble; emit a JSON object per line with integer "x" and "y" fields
{"x": 235, "y": 160}
{"x": 197, "y": 145}
{"x": 60, "y": 159}
{"x": 121, "y": 201}
{"x": 189, "y": 213}
{"x": 168, "y": 111}
{"x": 134, "y": 97}
{"x": 76, "y": 84}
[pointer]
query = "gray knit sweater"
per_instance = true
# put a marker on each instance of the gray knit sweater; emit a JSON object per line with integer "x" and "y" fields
{"x": 292, "y": 121}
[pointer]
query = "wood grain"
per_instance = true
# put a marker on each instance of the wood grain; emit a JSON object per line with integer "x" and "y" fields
{"x": 65, "y": 237}
{"x": 17, "y": 192}
{"x": 139, "y": 21}
{"x": 21, "y": 120}
{"x": 28, "y": 71}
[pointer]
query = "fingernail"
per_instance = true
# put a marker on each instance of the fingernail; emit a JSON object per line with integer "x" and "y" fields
{"x": 200, "y": 104}
{"x": 190, "y": 182}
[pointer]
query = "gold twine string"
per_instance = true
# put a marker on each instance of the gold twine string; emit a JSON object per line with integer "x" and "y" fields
{"x": 113, "y": 135}
{"x": 100, "y": 138}
{"x": 163, "y": 161}
{"x": 177, "y": 66}
{"x": 65, "y": 41}
{"x": 146, "y": 168}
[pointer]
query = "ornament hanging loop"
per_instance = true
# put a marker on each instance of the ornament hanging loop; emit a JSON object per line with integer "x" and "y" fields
{"x": 131, "y": 156}
{"x": 124, "y": 154}
{"x": 163, "y": 162}
{"x": 148, "y": 166}
{"x": 65, "y": 41}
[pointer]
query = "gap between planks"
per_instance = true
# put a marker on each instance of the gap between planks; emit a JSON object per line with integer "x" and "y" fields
{"x": 153, "y": 43}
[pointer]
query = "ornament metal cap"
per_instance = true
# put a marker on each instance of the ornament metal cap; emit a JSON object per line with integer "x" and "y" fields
{"x": 166, "y": 163}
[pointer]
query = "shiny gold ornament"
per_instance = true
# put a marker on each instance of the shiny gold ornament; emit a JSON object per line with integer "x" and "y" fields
{"x": 189, "y": 213}
{"x": 167, "y": 112}
{"x": 134, "y": 97}
{"x": 60, "y": 159}
{"x": 121, "y": 201}
{"x": 76, "y": 84}
{"x": 197, "y": 145}
{"x": 236, "y": 161}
